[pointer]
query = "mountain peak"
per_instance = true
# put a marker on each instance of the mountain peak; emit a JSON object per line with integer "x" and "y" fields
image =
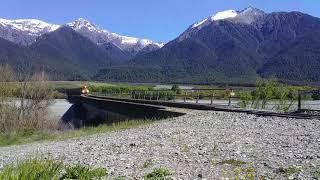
{"x": 252, "y": 10}
{"x": 247, "y": 15}
{"x": 82, "y": 23}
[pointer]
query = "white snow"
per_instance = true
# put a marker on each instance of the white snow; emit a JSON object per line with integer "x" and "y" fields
{"x": 30, "y": 25}
{"x": 224, "y": 15}
{"x": 128, "y": 40}
{"x": 218, "y": 16}
{"x": 36, "y": 28}
{"x": 199, "y": 23}
{"x": 81, "y": 24}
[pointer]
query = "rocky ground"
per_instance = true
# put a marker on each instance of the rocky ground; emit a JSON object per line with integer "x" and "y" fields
{"x": 198, "y": 145}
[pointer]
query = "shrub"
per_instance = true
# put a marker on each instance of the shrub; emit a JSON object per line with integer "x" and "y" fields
{"x": 176, "y": 89}
{"x": 267, "y": 90}
{"x": 245, "y": 99}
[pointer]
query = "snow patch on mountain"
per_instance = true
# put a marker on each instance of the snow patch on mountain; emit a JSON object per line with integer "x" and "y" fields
{"x": 102, "y": 36}
{"x": 24, "y": 31}
{"x": 199, "y": 23}
{"x": 247, "y": 15}
{"x": 218, "y": 16}
{"x": 33, "y": 26}
{"x": 224, "y": 15}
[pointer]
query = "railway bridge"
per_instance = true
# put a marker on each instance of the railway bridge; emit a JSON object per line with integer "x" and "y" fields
{"x": 139, "y": 106}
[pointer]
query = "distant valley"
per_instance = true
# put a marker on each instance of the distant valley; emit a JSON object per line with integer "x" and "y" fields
{"x": 231, "y": 47}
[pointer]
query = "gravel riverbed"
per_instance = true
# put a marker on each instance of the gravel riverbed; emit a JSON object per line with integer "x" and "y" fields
{"x": 198, "y": 145}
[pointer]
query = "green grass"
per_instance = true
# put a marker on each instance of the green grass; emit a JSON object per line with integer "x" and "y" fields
{"x": 158, "y": 174}
{"x": 29, "y": 136}
{"x": 316, "y": 174}
{"x": 288, "y": 171}
{"x": 147, "y": 163}
{"x": 48, "y": 169}
{"x": 83, "y": 172}
{"x": 32, "y": 169}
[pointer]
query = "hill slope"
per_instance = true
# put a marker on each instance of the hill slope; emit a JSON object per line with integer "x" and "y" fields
{"x": 232, "y": 47}
{"x": 68, "y": 51}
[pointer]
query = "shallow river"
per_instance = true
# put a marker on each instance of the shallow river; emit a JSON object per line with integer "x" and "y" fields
{"x": 58, "y": 108}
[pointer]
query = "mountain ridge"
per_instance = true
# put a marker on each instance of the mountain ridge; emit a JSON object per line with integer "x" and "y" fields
{"x": 233, "y": 49}
{"x": 26, "y": 31}
{"x": 227, "y": 47}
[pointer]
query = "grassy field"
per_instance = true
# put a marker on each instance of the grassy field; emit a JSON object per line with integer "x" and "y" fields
{"x": 48, "y": 168}
{"x": 33, "y": 169}
{"x": 29, "y": 136}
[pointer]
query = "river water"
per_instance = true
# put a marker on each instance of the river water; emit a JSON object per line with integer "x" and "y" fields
{"x": 58, "y": 108}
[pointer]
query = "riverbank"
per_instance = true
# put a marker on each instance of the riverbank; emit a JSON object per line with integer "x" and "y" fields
{"x": 199, "y": 144}
{"x": 31, "y": 136}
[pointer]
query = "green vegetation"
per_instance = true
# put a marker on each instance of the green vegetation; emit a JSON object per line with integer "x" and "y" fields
{"x": 249, "y": 174}
{"x": 288, "y": 171}
{"x": 282, "y": 95}
{"x": 316, "y": 174}
{"x": 32, "y": 135}
{"x": 83, "y": 172}
{"x": 158, "y": 174}
{"x": 120, "y": 88}
{"x": 147, "y": 163}
{"x": 32, "y": 169}
{"x": 47, "y": 169}
{"x": 176, "y": 89}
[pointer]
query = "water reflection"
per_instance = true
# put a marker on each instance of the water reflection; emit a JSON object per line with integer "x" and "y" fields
{"x": 58, "y": 108}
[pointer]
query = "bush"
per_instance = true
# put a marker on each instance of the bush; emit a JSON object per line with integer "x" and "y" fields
{"x": 176, "y": 89}
{"x": 28, "y": 111}
{"x": 266, "y": 91}
{"x": 245, "y": 99}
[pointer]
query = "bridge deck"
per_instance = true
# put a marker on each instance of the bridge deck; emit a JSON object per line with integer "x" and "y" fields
{"x": 205, "y": 107}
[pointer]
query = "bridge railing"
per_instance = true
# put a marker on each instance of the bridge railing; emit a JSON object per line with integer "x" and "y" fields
{"x": 204, "y": 96}
{"x": 307, "y": 100}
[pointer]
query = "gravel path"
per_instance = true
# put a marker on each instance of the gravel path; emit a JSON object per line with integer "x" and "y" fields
{"x": 200, "y": 144}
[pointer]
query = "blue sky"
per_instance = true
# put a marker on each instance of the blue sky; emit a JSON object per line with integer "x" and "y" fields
{"x": 160, "y": 20}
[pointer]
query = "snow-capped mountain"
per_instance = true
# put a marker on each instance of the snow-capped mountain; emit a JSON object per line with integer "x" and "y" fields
{"x": 246, "y": 16}
{"x": 24, "y": 31}
{"x": 101, "y": 36}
